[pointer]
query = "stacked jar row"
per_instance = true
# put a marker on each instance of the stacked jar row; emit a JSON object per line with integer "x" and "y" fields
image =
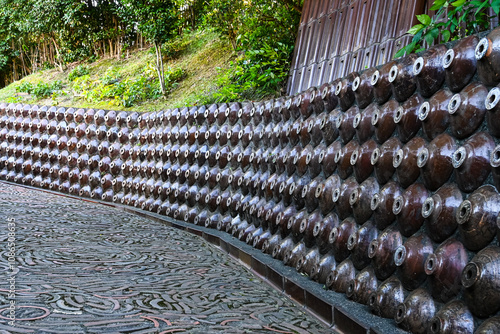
{"x": 382, "y": 185}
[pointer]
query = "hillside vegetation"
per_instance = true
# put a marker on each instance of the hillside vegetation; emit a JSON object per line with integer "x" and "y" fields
{"x": 135, "y": 54}
{"x": 195, "y": 61}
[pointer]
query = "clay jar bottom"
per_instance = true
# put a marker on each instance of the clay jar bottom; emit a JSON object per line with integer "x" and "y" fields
{"x": 452, "y": 318}
{"x": 362, "y": 88}
{"x": 402, "y": 78}
{"x": 472, "y": 161}
{"x": 343, "y": 159}
{"x": 428, "y": 70}
{"x": 383, "y": 159}
{"x": 382, "y": 250}
{"x": 440, "y": 211}
{"x": 415, "y": 313}
{"x": 444, "y": 268}
{"x": 339, "y": 236}
{"x": 382, "y": 90}
{"x": 361, "y": 160}
{"x": 406, "y": 161}
{"x": 386, "y": 299}
{"x": 467, "y": 110}
{"x": 410, "y": 259}
{"x": 481, "y": 278}
{"x": 406, "y": 118}
{"x": 362, "y": 286}
{"x": 358, "y": 244}
{"x": 460, "y": 63}
{"x": 362, "y": 123}
{"x": 435, "y": 161}
{"x": 343, "y": 90}
{"x": 477, "y": 217}
{"x": 487, "y": 53}
{"x": 434, "y": 114}
{"x": 345, "y": 124}
{"x": 360, "y": 200}
{"x": 408, "y": 209}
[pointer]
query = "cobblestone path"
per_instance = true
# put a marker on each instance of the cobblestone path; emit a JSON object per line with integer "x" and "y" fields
{"x": 85, "y": 268}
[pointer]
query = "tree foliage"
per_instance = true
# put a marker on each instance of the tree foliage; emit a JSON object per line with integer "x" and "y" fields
{"x": 37, "y": 34}
{"x": 452, "y": 20}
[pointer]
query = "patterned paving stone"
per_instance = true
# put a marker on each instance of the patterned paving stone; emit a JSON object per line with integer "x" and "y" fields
{"x": 84, "y": 268}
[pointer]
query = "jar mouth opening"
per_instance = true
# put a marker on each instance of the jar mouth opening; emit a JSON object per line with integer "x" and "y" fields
{"x": 483, "y": 48}
{"x": 448, "y": 58}
{"x": 418, "y": 65}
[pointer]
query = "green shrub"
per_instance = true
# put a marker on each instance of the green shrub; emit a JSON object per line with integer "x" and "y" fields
{"x": 125, "y": 92}
{"x": 77, "y": 72}
{"x": 41, "y": 90}
{"x": 256, "y": 74}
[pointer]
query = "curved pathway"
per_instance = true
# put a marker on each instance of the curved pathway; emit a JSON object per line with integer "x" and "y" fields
{"x": 86, "y": 268}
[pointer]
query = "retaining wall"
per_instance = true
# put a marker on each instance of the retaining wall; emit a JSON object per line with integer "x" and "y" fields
{"x": 381, "y": 185}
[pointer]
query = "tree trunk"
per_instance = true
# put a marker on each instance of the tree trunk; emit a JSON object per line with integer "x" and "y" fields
{"x": 159, "y": 67}
{"x": 58, "y": 56}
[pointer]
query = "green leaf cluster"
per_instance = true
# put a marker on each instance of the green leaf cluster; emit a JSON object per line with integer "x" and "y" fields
{"x": 41, "y": 89}
{"x": 125, "y": 92}
{"x": 77, "y": 72}
{"x": 452, "y": 20}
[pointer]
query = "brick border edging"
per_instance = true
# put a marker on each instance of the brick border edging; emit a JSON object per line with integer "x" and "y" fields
{"x": 332, "y": 308}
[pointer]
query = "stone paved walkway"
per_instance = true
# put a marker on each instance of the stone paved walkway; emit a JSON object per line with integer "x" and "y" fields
{"x": 85, "y": 268}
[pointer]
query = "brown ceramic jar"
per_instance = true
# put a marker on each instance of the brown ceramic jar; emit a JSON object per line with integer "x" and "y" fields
{"x": 435, "y": 161}
{"x": 382, "y": 203}
{"x": 339, "y": 236}
{"x": 481, "y": 278}
{"x": 341, "y": 196}
{"x": 472, "y": 161}
{"x": 440, "y": 210}
{"x": 363, "y": 125}
{"x": 402, "y": 78}
{"x": 362, "y": 286}
{"x": 467, "y": 110}
{"x": 383, "y": 159}
{"x": 343, "y": 159}
{"x": 382, "y": 90}
{"x": 429, "y": 71}
{"x": 460, "y": 63}
{"x": 487, "y": 53}
{"x": 341, "y": 276}
{"x": 360, "y": 199}
{"x": 322, "y": 270}
{"x": 362, "y": 87}
{"x": 477, "y": 217}
{"x": 358, "y": 244}
{"x": 386, "y": 299}
{"x": 345, "y": 124}
{"x": 408, "y": 209}
{"x": 407, "y": 118}
{"x": 452, "y": 318}
{"x": 405, "y": 161}
{"x": 361, "y": 160}
{"x": 445, "y": 267}
{"x": 415, "y": 313}
{"x": 382, "y": 250}
{"x": 410, "y": 259}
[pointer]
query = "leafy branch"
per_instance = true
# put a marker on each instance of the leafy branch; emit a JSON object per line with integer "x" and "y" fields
{"x": 453, "y": 20}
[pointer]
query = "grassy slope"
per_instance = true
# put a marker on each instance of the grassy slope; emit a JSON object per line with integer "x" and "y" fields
{"x": 205, "y": 53}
